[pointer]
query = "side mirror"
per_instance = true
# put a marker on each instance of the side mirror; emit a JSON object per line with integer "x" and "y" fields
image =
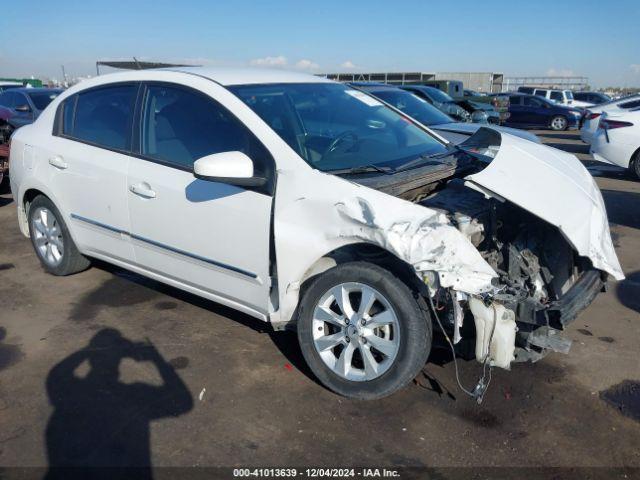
{"x": 23, "y": 108}
{"x": 234, "y": 168}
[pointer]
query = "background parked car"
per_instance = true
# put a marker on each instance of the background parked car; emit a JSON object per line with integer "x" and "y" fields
{"x": 453, "y": 88}
{"x": 472, "y": 93}
{"x": 440, "y": 100}
{"x": 530, "y": 111}
{"x": 617, "y": 140}
{"x": 9, "y": 85}
{"x": 595, "y": 98}
{"x": 481, "y": 112}
{"x": 419, "y": 109}
{"x": 21, "y": 106}
{"x": 591, "y": 117}
{"x": 564, "y": 97}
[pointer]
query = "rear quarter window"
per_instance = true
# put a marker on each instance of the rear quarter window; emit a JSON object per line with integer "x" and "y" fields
{"x": 68, "y": 111}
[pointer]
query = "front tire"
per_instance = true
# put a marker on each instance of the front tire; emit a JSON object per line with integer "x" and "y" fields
{"x": 51, "y": 239}
{"x": 362, "y": 331}
{"x": 558, "y": 123}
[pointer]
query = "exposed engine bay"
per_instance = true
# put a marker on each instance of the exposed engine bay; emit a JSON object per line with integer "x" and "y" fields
{"x": 536, "y": 266}
{"x": 542, "y": 282}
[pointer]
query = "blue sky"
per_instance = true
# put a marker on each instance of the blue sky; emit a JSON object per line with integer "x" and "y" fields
{"x": 598, "y": 39}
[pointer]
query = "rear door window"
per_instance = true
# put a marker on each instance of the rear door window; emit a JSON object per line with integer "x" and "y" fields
{"x": 515, "y": 100}
{"x": 541, "y": 93}
{"x": 532, "y": 102}
{"x": 102, "y": 116}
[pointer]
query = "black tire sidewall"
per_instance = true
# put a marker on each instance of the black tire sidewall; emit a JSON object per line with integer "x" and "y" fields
{"x": 414, "y": 322}
{"x": 635, "y": 163}
{"x": 66, "y": 266}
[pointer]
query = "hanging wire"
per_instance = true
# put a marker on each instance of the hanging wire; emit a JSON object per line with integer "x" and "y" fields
{"x": 481, "y": 387}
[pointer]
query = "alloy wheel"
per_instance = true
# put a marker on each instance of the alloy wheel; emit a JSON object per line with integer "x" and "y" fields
{"x": 356, "y": 331}
{"x": 47, "y": 236}
{"x": 559, "y": 123}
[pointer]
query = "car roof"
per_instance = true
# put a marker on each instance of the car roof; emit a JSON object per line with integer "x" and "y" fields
{"x": 249, "y": 75}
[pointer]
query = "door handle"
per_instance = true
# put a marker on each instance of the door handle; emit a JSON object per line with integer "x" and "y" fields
{"x": 143, "y": 190}
{"x": 58, "y": 162}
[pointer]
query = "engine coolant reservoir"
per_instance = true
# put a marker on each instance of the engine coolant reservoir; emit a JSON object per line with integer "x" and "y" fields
{"x": 501, "y": 350}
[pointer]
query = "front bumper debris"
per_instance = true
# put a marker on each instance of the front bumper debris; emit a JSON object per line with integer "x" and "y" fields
{"x": 537, "y": 343}
{"x": 565, "y": 310}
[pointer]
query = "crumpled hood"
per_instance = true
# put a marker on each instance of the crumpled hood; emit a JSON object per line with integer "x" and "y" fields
{"x": 556, "y": 187}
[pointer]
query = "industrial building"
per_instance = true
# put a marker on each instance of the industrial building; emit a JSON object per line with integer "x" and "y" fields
{"x": 481, "y": 81}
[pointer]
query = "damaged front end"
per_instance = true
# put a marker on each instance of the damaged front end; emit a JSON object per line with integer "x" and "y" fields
{"x": 538, "y": 221}
{"x": 541, "y": 284}
{"x": 509, "y": 238}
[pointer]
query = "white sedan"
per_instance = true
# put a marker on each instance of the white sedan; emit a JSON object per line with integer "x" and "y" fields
{"x": 592, "y": 115}
{"x": 617, "y": 140}
{"x": 312, "y": 205}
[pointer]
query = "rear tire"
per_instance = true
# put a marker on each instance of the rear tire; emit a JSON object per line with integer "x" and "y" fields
{"x": 51, "y": 239}
{"x": 634, "y": 166}
{"x": 383, "y": 345}
{"x": 558, "y": 123}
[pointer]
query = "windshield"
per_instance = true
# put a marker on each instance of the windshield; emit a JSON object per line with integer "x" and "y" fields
{"x": 568, "y": 94}
{"x": 42, "y": 99}
{"x": 333, "y": 126}
{"x": 413, "y": 106}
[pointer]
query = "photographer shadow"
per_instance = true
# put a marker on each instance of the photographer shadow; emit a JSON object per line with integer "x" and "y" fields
{"x": 100, "y": 427}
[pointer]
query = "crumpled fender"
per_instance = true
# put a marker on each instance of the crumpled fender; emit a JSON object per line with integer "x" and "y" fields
{"x": 316, "y": 213}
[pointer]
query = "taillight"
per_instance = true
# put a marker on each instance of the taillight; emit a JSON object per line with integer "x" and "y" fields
{"x": 591, "y": 115}
{"x": 608, "y": 124}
